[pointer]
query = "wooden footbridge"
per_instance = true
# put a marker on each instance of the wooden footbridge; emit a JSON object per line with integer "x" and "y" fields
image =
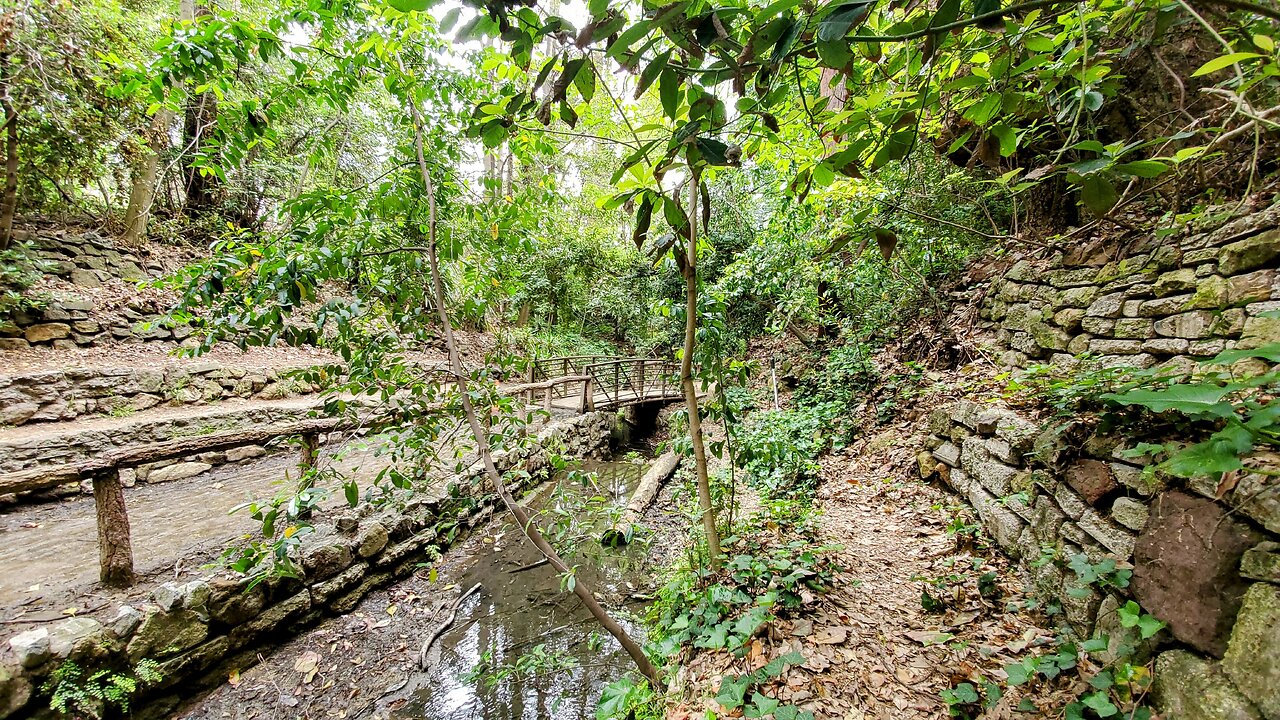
{"x": 584, "y": 383}
{"x": 576, "y": 384}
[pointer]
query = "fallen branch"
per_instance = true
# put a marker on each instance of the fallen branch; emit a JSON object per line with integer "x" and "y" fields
{"x": 530, "y": 566}
{"x": 448, "y": 622}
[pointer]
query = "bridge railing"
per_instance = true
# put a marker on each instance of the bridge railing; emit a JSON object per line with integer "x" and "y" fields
{"x": 632, "y": 380}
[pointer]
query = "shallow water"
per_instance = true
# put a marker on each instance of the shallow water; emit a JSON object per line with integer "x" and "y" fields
{"x": 514, "y": 613}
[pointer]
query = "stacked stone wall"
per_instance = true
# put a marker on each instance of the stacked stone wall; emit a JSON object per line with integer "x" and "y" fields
{"x": 61, "y": 395}
{"x": 1205, "y": 556}
{"x": 199, "y": 629}
{"x": 86, "y": 261}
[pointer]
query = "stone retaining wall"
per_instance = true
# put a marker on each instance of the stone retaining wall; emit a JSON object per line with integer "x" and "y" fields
{"x": 71, "y": 444}
{"x": 1173, "y": 300}
{"x": 86, "y": 260}
{"x": 200, "y": 629}
{"x": 60, "y": 395}
{"x": 1205, "y": 558}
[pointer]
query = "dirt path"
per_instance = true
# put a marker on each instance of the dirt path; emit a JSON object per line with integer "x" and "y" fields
{"x": 872, "y": 649}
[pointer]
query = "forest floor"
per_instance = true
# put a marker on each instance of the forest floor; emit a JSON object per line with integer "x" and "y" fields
{"x": 872, "y": 650}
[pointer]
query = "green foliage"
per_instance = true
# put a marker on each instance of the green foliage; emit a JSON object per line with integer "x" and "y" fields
{"x": 100, "y": 693}
{"x": 537, "y": 661}
{"x": 1103, "y": 574}
{"x": 733, "y": 693}
{"x": 1238, "y": 414}
{"x": 20, "y": 268}
{"x": 629, "y": 698}
{"x": 757, "y": 586}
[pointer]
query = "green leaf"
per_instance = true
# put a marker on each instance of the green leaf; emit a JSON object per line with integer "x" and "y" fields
{"x": 585, "y": 80}
{"x": 760, "y": 706}
{"x": 787, "y": 41}
{"x": 1219, "y": 63}
{"x": 1269, "y": 352}
{"x": 840, "y": 18}
{"x": 1148, "y": 626}
{"x": 1143, "y": 168}
{"x": 1098, "y": 194}
{"x": 1039, "y": 43}
{"x": 1008, "y": 139}
{"x": 628, "y": 38}
{"x": 1198, "y": 400}
{"x": 410, "y": 5}
{"x": 669, "y": 92}
{"x": 1100, "y": 704}
{"x": 713, "y": 151}
{"x": 651, "y": 71}
{"x": 1019, "y": 673}
{"x": 823, "y": 174}
{"x": 732, "y": 692}
{"x": 981, "y": 112}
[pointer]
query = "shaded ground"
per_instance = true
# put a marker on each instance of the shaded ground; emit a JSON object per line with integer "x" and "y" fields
{"x": 872, "y": 650}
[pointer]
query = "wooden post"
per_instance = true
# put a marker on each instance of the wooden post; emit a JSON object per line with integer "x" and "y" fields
{"x": 640, "y": 391}
{"x": 115, "y": 549}
{"x": 546, "y": 398}
{"x": 588, "y": 402}
{"x": 307, "y": 459}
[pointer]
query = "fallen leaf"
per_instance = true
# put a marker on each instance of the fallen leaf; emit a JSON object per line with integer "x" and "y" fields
{"x": 308, "y": 663}
{"x": 830, "y": 635}
{"x": 929, "y": 637}
{"x": 233, "y": 678}
{"x": 391, "y": 609}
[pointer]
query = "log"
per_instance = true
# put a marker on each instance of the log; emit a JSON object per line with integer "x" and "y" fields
{"x": 115, "y": 548}
{"x": 645, "y": 492}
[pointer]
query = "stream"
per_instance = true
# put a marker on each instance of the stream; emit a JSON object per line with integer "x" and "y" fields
{"x": 514, "y": 614}
{"x": 367, "y": 660}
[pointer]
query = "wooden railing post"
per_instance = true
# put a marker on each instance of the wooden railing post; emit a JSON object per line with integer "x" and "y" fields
{"x": 640, "y": 387}
{"x": 115, "y": 548}
{"x": 587, "y": 403}
{"x": 307, "y": 458}
{"x": 546, "y": 398}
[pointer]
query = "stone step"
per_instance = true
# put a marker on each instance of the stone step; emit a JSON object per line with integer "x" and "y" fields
{"x": 50, "y": 444}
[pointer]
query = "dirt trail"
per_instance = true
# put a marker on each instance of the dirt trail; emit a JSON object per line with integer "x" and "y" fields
{"x": 872, "y": 650}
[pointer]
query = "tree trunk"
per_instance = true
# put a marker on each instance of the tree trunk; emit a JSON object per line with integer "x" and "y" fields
{"x": 115, "y": 549}
{"x": 686, "y": 381}
{"x": 481, "y": 436}
{"x": 198, "y": 120}
{"x": 142, "y": 194}
{"x": 9, "y": 201}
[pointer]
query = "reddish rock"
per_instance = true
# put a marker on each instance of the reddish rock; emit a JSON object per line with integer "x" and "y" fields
{"x": 1092, "y": 479}
{"x": 1186, "y": 569}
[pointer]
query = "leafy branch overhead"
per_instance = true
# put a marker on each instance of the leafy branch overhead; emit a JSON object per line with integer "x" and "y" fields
{"x": 1021, "y": 88}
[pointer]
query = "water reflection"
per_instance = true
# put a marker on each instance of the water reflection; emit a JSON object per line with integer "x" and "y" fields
{"x": 513, "y": 613}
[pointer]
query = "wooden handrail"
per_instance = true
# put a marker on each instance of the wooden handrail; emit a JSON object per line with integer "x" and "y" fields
{"x": 114, "y": 543}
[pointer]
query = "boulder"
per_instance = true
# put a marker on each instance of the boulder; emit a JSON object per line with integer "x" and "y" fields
{"x": 1253, "y": 655}
{"x": 161, "y": 634}
{"x": 1190, "y": 325}
{"x": 15, "y": 690}
{"x": 1129, "y": 513}
{"x": 1262, "y": 562}
{"x": 31, "y": 648}
{"x": 1189, "y": 688}
{"x": 177, "y": 471}
{"x": 1249, "y": 254}
{"x": 371, "y": 540}
{"x": 1186, "y": 568}
{"x": 67, "y": 634}
{"x": 326, "y": 560}
{"x": 245, "y": 453}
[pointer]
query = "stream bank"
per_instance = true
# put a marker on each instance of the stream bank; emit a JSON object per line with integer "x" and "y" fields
{"x": 365, "y": 664}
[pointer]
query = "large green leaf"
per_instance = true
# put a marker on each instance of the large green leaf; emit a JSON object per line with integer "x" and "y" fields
{"x": 841, "y": 18}
{"x": 1098, "y": 194}
{"x": 1196, "y": 400}
{"x": 669, "y": 92}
